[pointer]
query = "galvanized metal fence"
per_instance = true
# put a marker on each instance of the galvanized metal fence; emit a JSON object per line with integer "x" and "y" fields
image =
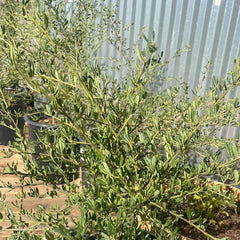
{"x": 210, "y": 27}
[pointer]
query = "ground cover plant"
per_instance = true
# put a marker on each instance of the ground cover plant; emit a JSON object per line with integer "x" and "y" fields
{"x": 137, "y": 145}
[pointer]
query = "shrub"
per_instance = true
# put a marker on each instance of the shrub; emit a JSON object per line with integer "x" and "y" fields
{"x": 136, "y": 146}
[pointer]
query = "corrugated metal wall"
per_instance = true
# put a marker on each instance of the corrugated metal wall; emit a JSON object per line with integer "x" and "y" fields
{"x": 210, "y": 27}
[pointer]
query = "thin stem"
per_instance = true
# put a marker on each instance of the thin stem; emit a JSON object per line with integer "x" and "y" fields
{"x": 185, "y": 220}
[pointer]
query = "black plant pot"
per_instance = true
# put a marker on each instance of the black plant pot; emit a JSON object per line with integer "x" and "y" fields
{"x": 39, "y": 100}
{"x": 35, "y": 130}
{"x": 6, "y": 134}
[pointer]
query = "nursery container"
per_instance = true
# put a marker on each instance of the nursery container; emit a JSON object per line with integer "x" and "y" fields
{"x": 6, "y": 134}
{"x": 36, "y": 129}
{"x": 39, "y": 100}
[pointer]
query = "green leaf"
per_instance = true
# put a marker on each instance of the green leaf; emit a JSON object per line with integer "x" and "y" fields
{"x": 105, "y": 237}
{"x": 106, "y": 168}
{"x": 156, "y": 193}
{"x": 26, "y": 2}
{"x": 49, "y": 235}
{"x": 137, "y": 99}
{"x": 141, "y": 138}
{"x": 169, "y": 92}
{"x": 45, "y": 21}
{"x": 189, "y": 214}
{"x": 146, "y": 39}
{"x": 236, "y": 71}
{"x": 26, "y": 235}
{"x": 61, "y": 229}
{"x": 139, "y": 55}
{"x": 236, "y": 175}
{"x": 35, "y": 237}
{"x": 81, "y": 224}
{"x": 235, "y": 150}
{"x": 121, "y": 161}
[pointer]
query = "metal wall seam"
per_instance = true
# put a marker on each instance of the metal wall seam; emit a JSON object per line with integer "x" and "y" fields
{"x": 192, "y": 56}
{"x": 200, "y": 60}
{"x": 216, "y": 40}
{"x": 182, "y": 24}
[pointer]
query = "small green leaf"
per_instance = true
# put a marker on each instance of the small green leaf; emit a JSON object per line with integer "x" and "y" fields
{"x": 139, "y": 55}
{"x": 81, "y": 224}
{"x": 45, "y": 21}
{"x": 49, "y": 235}
{"x": 236, "y": 175}
{"x": 61, "y": 229}
{"x": 137, "y": 99}
{"x": 121, "y": 161}
{"x": 169, "y": 92}
{"x": 156, "y": 193}
{"x": 189, "y": 214}
{"x": 26, "y": 2}
{"x": 235, "y": 150}
{"x": 141, "y": 137}
{"x": 106, "y": 168}
{"x": 236, "y": 71}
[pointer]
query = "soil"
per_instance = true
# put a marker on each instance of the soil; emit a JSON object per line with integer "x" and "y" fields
{"x": 49, "y": 120}
{"x": 229, "y": 227}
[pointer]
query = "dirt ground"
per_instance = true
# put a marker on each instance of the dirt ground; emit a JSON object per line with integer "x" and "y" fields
{"x": 29, "y": 202}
